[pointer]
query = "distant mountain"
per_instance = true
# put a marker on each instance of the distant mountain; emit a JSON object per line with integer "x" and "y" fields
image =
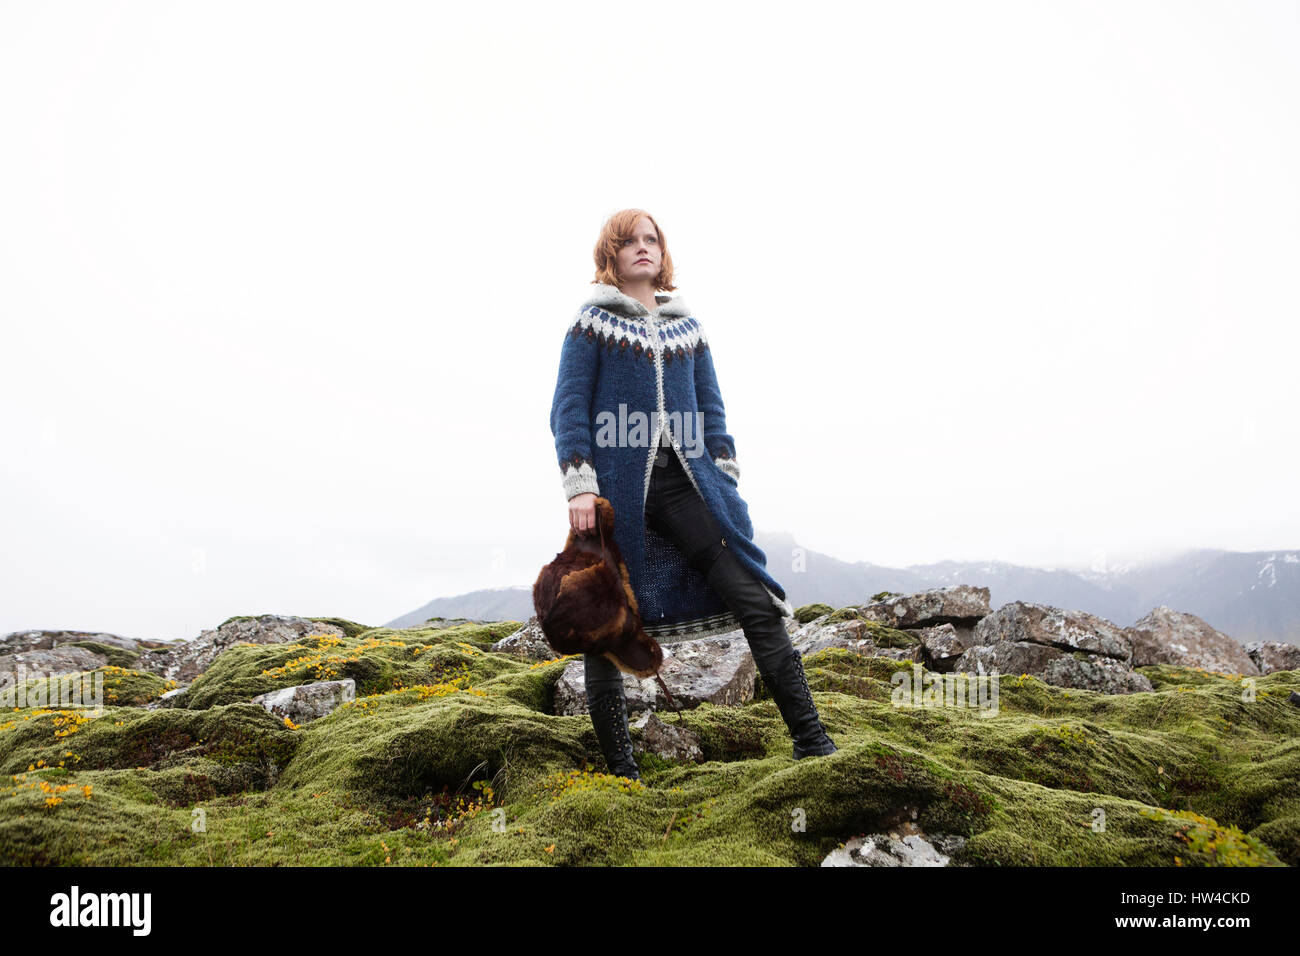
{"x": 1249, "y": 595}
{"x": 492, "y": 604}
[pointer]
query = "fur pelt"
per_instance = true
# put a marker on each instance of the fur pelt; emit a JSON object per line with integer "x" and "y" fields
{"x": 585, "y": 603}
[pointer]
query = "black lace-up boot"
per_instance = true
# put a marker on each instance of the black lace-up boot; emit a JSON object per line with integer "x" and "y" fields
{"x": 788, "y": 684}
{"x": 609, "y": 716}
{"x": 779, "y": 664}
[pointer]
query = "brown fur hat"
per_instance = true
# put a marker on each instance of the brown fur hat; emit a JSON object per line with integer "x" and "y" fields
{"x": 585, "y": 604}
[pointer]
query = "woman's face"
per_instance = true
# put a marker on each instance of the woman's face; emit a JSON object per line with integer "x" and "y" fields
{"x": 640, "y": 257}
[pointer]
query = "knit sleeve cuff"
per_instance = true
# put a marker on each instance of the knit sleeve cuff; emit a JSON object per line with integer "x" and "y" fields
{"x": 579, "y": 480}
{"x": 729, "y": 466}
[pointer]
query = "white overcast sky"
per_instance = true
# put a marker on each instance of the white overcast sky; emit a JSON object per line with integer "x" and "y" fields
{"x": 283, "y": 285}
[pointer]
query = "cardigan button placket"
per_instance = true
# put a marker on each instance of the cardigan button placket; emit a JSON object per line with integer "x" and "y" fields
{"x": 663, "y": 418}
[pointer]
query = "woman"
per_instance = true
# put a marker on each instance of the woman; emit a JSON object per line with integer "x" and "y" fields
{"x": 638, "y": 418}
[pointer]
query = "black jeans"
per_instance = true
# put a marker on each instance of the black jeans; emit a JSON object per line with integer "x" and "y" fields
{"x": 675, "y": 510}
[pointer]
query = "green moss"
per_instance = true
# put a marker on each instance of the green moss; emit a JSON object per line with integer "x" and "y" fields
{"x": 880, "y": 634}
{"x": 889, "y": 636}
{"x": 1213, "y": 845}
{"x": 809, "y": 612}
{"x": 532, "y": 685}
{"x": 1283, "y": 836}
{"x": 112, "y": 654}
{"x": 107, "y": 685}
{"x": 1164, "y": 676}
{"x": 377, "y": 659}
{"x": 451, "y": 756}
{"x": 844, "y": 614}
{"x": 123, "y": 737}
{"x": 127, "y": 687}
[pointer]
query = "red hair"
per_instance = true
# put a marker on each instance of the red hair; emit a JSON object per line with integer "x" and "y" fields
{"x": 620, "y": 226}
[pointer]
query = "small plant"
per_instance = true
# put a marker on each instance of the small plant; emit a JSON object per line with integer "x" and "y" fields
{"x": 1225, "y": 846}
{"x": 559, "y": 785}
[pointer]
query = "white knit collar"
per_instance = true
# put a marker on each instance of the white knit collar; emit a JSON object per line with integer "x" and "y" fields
{"x": 612, "y": 298}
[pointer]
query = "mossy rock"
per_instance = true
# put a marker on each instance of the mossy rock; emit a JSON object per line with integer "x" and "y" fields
{"x": 449, "y": 756}
{"x": 810, "y": 612}
{"x": 112, "y": 654}
{"x": 844, "y": 614}
{"x": 116, "y": 686}
{"x": 378, "y": 660}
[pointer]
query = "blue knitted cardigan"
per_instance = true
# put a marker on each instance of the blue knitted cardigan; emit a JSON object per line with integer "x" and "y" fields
{"x": 630, "y": 380}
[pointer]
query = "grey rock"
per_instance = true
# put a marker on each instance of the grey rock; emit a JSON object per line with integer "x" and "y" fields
{"x": 942, "y": 644}
{"x": 528, "y": 642}
{"x": 957, "y": 604}
{"x": 851, "y": 635}
{"x": 1166, "y": 636}
{"x": 173, "y": 698}
{"x": 717, "y": 670}
{"x": 903, "y": 845}
{"x": 820, "y": 633}
{"x": 189, "y": 659}
{"x": 307, "y": 702}
{"x": 48, "y": 662}
{"x": 1095, "y": 672}
{"x": 1052, "y": 665}
{"x": 665, "y": 740}
{"x": 1068, "y": 630}
{"x": 18, "y": 642}
{"x": 1270, "y": 656}
{"x": 897, "y": 653}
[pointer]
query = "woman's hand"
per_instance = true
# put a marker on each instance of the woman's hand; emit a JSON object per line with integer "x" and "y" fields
{"x": 582, "y": 513}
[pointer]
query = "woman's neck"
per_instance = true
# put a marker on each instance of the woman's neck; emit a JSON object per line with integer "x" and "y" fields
{"x": 643, "y": 291}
